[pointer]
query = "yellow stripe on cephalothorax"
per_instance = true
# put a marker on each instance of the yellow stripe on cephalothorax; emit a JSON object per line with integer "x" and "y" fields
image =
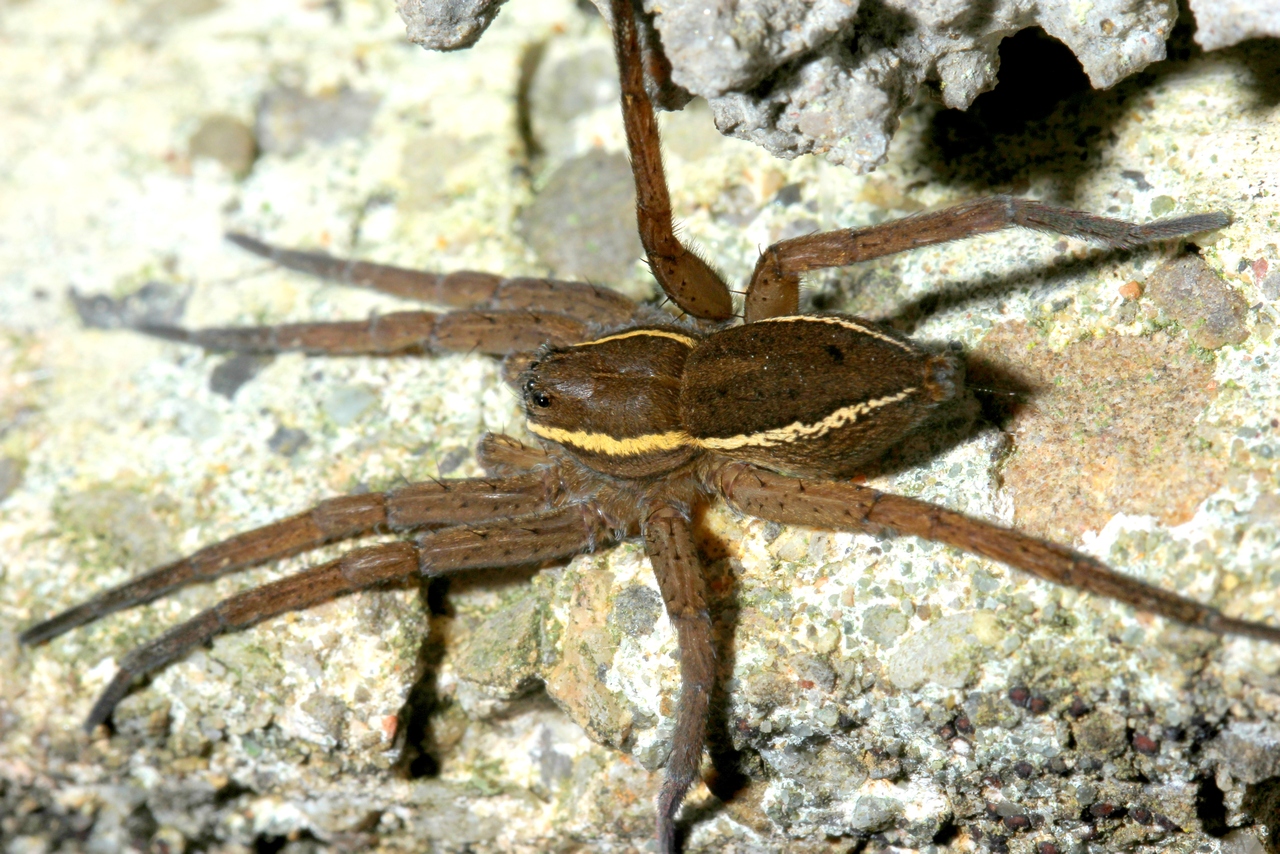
{"x": 603, "y": 443}
{"x": 798, "y": 431}
{"x": 653, "y": 333}
{"x": 841, "y": 321}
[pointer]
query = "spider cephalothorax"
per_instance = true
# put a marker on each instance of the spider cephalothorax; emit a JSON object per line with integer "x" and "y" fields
{"x": 642, "y": 417}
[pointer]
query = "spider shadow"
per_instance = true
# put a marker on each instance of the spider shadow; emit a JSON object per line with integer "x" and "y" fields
{"x": 727, "y": 777}
{"x": 420, "y": 749}
{"x": 421, "y": 752}
{"x": 1053, "y": 277}
{"x": 993, "y": 393}
{"x": 991, "y": 398}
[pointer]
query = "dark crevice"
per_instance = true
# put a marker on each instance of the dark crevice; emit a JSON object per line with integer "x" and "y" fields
{"x": 1211, "y": 807}
{"x": 1043, "y": 121}
{"x": 947, "y": 832}
{"x": 1262, "y": 801}
{"x": 299, "y": 841}
{"x": 229, "y": 792}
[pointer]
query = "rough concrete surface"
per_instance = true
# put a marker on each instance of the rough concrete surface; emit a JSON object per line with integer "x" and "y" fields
{"x": 833, "y": 77}
{"x": 879, "y": 693}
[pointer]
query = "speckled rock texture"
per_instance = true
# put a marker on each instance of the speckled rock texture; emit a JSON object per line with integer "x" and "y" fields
{"x": 874, "y": 694}
{"x": 1222, "y": 23}
{"x": 833, "y": 77}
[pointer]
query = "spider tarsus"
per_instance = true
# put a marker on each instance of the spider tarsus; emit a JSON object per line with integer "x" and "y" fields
{"x": 1223, "y": 625}
{"x": 108, "y": 699}
{"x": 251, "y": 244}
{"x": 1163, "y": 229}
{"x": 167, "y": 333}
{"x": 668, "y": 807}
{"x": 48, "y": 629}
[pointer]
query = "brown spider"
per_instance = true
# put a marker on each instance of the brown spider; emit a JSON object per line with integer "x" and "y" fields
{"x": 643, "y": 417}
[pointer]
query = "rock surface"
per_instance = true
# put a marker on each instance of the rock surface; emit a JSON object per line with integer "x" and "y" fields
{"x": 1072, "y": 723}
{"x": 1222, "y": 23}
{"x": 833, "y": 77}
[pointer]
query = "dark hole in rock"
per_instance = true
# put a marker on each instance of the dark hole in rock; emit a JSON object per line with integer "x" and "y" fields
{"x": 1262, "y": 801}
{"x": 1211, "y": 807}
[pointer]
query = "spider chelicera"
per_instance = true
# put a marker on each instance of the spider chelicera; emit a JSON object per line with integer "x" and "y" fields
{"x": 642, "y": 416}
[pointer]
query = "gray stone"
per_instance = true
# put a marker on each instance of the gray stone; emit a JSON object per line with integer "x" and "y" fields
{"x": 287, "y": 441}
{"x": 872, "y": 813}
{"x": 231, "y": 374}
{"x": 883, "y": 624}
{"x": 227, "y": 140}
{"x": 502, "y": 654}
{"x": 154, "y": 304}
{"x": 832, "y": 77}
{"x": 636, "y": 609}
{"x": 10, "y": 476}
{"x": 567, "y": 87}
{"x": 1249, "y": 751}
{"x": 1100, "y": 733}
{"x": 946, "y": 652}
{"x": 346, "y": 403}
{"x": 447, "y": 24}
{"x": 289, "y": 118}
{"x": 1222, "y": 23}
{"x": 1271, "y": 286}
{"x": 582, "y": 224}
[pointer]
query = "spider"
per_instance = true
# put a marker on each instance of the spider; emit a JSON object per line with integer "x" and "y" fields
{"x": 642, "y": 416}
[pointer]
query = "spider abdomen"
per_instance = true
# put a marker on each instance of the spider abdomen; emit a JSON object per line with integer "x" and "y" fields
{"x": 809, "y": 394}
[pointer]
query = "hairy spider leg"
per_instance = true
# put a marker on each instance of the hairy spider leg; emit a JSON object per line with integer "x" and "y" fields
{"x": 459, "y": 289}
{"x": 774, "y": 289}
{"x": 669, "y": 542}
{"x": 413, "y": 507}
{"x": 687, "y": 279}
{"x": 497, "y": 333}
{"x": 849, "y": 507}
{"x": 551, "y": 535}
{"x": 502, "y": 456}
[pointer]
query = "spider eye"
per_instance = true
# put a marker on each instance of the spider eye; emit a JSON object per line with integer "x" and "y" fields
{"x": 540, "y": 398}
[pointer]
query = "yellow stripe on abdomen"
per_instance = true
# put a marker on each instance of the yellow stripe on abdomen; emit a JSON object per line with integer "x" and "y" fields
{"x": 798, "y": 431}
{"x": 672, "y": 440}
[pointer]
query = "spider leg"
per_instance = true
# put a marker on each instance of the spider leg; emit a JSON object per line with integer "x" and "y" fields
{"x": 419, "y": 505}
{"x": 850, "y": 507}
{"x": 687, "y": 279}
{"x": 503, "y": 456}
{"x": 459, "y": 289}
{"x": 670, "y": 545}
{"x": 493, "y": 332}
{"x": 774, "y": 290}
{"x": 530, "y": 539}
